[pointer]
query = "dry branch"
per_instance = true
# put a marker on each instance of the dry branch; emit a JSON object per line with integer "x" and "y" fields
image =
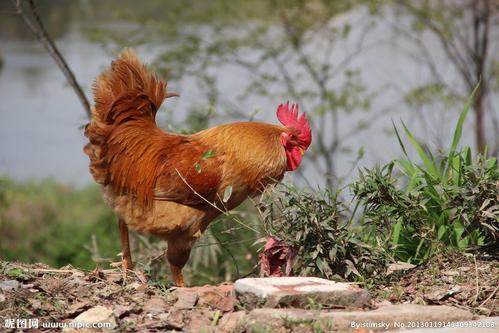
{"x": 35, "y": 24}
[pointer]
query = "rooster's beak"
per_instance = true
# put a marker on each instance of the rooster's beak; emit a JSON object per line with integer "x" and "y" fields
{"x": 172, "y": 94}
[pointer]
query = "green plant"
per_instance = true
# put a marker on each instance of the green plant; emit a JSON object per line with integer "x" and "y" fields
{"x": 312, "y": 304}
{"x": 317, "y": 226}
{"x": 413, "y": 208}
{"x": 48, "y": 222}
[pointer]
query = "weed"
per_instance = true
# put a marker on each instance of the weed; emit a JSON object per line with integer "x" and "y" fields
{"x": 413, "y": 209}
{"x": 312, "y": 304}
{"x": 317, "y": 226}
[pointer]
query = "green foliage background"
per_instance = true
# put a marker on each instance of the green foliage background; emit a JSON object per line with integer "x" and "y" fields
{"x": 44, "y": 221}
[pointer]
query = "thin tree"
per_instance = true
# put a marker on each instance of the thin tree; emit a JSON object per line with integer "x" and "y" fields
{"x": 465, "y": 32}
{"x": 32, "y": 18}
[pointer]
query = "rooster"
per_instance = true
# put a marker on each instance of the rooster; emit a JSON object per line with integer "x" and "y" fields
{"x": 172, "y": 186}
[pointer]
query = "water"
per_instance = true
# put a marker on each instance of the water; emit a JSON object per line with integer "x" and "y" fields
{"x": 41, "y": 118}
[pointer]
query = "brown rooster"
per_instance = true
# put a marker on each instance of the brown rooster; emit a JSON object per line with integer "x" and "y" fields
{"x": 172, "y": 186}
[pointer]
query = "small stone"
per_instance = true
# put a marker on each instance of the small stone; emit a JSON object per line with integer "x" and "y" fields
{"x": 399, "y": 266}
{"x": 176, "y": 317}
{"x": 114, "y": 277}
{"x": 155, "y": 305}
{"x": 123, "y": 310}
{"x": 134, "y": 285}
{"x": 2, "y": 297}
{"x": 231, "y": 321}
{"x": 186, "y": 299}
{"x": 441, "y": 295}
{"x": 77, "y": 308}
{"x": 200, "y": 320}
{"x": 297, "y": 292}
{"x": 447, "y": 279}
{"x": 410, "y": 289}
{"x": 9, "y": 285}
{"x": 450, "y": 273}
{"x": 382, "y": 303}
{"x": 52, "y": 285}
{"x": 97, "y": 314}
{"x": 220, "y": 297}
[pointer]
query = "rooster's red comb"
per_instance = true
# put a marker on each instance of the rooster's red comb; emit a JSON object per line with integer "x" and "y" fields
{"x": 290, "y": 117}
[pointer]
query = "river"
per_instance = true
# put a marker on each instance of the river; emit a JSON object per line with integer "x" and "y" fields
{"x": 41, "y": 118}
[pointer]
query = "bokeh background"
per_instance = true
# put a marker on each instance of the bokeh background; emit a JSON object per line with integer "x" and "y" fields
{"x": 353, "y": 66}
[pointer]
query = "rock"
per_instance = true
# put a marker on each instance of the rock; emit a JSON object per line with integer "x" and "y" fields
{"x": 450, "y": 273}
{"x": 399, "y": 266}
{"x": 441, "y": 295}
{"x": 298, "y": 292}
{"x": 176, "y": 317}
{"x": 114, "y": 277}
{"x": 9, "y": 285}
{"x": 123, "y": 310}
{"x": 382, "y": 303}
{"x": 51, "y": 285}
{"x": 200, "y": 321}
{"x": 186, "y": 299}
{"x": 134, "y": 285}
{"x": 2, "y": 297}
{"x": 97, "y": 314}
{"x": 220, "y": 297}
{"x": 447, "y": 279}
{"x": 77, "y": 308}
{"x": 386, "y": 317}
{"x": 231, "y": 321}
{"x": 464, "y": 269}
{"x": 155, "y": 304}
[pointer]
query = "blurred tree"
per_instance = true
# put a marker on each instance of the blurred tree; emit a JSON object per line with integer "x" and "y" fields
{"x": 286, "y": 49}
{"x": 467, "y": 32}
{"x": 33, "y": 20}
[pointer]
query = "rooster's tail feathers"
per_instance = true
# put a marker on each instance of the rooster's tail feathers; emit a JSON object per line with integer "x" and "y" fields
{"x": 127, "y": 91}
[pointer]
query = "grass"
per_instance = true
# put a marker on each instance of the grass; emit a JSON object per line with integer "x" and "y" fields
{"x": 413, "y": 208}
{"x": 48, "y": 222}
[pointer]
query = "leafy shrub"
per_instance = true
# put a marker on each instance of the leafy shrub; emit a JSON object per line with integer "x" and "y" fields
{"x": 415, "y": 207}
{"x": 317, "y": 226}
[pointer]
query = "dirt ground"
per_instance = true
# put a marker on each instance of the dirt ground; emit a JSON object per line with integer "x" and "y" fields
{"x": 60, "y": 295}
{"x": 463, "y": 281}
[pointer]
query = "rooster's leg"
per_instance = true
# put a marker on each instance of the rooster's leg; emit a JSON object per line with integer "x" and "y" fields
{"x": 178, "y": 253}
{"x": 126, "y": 258}
{"x": 178, "y": 278}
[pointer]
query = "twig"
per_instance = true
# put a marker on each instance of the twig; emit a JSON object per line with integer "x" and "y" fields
{"x": 476, "y": 279}
{"x": 490, "y": 296}
{"x": 230, "y": 254}
{"x": 59, "y": 271}
{"x": 39, "y": 30}
{"x": 226, "y": 213}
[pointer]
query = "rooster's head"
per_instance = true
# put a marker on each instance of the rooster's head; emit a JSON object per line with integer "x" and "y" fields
{"x": 297, "y": 136}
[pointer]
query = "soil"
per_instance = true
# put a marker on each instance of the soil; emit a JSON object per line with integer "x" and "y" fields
{"x": 60, "y": 295}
